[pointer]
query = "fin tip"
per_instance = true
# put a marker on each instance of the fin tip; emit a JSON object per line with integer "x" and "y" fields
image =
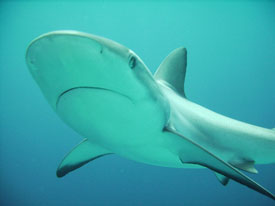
{"x": 60, "y": 172}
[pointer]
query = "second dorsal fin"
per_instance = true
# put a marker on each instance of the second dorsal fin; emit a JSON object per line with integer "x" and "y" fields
{"x": 172, "y": 70}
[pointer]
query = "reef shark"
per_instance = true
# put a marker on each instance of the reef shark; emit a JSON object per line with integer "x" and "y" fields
{"x": 105, "y": 92}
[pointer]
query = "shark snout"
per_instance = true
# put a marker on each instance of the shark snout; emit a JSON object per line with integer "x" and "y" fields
{"x": 61, "y": 61}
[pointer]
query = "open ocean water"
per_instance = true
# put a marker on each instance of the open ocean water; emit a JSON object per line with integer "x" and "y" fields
{"x": 231, "y": 70}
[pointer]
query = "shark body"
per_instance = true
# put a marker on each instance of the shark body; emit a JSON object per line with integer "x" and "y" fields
{"x": 105, "y": 92}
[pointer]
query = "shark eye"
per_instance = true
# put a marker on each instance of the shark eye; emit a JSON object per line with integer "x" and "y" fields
{"x": 132, "y": 62}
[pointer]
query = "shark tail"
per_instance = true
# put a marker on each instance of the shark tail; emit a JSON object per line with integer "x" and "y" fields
{"x": 193, "y": 153}
{"x": 265, "y": 150}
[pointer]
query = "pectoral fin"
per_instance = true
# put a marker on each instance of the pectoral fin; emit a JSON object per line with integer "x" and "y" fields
{"x": 193, "y": 153}
{"x": 83, "y": 153}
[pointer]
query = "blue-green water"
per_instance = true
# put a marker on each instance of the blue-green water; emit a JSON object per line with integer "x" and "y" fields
{"x": 231, "y": 70}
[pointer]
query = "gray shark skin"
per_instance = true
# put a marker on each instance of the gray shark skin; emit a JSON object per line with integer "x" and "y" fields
{"x": 105, "y": 92}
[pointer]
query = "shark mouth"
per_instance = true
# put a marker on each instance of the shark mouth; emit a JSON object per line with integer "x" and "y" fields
{"x": 90, "y": 87}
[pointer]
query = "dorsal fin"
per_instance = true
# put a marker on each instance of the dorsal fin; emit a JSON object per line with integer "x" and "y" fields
{"x": 173, "y": 68}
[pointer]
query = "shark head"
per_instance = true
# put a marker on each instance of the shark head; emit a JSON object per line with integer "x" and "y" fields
{"x": 65, "y": 60}
{"x": 97, "y": 79}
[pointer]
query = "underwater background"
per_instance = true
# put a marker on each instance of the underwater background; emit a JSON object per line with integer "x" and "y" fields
{"x": 231, "y": 70}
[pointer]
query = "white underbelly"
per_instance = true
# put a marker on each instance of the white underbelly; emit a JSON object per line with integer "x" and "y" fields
{"x": 127, "y": 128}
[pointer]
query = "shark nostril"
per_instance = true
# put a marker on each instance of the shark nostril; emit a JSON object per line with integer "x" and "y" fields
{"x": 31, "y": 64}
{"x": 32, "y": 61}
